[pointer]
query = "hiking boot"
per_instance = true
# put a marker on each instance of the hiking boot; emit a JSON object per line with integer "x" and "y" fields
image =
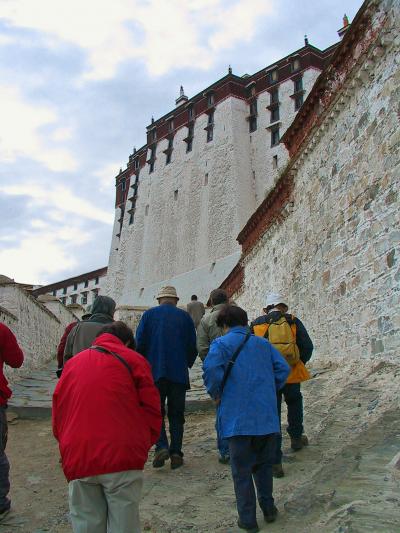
{"x": 224, "y": 459}
{"x": 277, "y": 471}
{"x": 304, "y": 440}
{"x": 4, "y": 513}
{"x": 270, "y": 514}
{"x": 176, "y": 461}
{"x": 160, "y": 457}
{"x": 296, "y": 443}
{"x": 252, "y": 529}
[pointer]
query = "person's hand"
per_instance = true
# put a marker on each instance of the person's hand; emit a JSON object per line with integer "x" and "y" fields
{"x": 217, "y": 401}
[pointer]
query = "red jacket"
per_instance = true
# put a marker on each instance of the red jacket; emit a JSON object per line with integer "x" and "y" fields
{"x": 63, "y": 341}
{"x": 104, "y": 420}
{"x": 11, "y": 354}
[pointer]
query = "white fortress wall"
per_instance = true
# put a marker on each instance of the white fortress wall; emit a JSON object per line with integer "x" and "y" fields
{"x": 337, "y": 254}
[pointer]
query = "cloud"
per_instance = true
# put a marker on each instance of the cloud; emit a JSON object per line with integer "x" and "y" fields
{"x": 163, "y": 34}
{"x": 61, "y": 200}
{"x": 26, "y": 140}
{"x": 106, "y": 176}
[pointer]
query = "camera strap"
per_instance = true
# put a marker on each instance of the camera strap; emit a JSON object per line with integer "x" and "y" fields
{"x": 115, "y": 355}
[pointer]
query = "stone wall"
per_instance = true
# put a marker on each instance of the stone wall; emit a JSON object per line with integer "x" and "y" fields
{"x": 37, "y": 329}
{"x": 334, "y": 247}
{"x": 130, "y": 315}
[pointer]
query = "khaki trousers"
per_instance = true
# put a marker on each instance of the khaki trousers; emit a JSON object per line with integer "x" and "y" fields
{"x": 106, "y": 503}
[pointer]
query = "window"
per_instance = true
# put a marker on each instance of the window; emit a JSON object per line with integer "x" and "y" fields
{"x": 86, "y": 283}
{"x": 275, "y": 114}
{"x": 95, "y": 293}
{"x": 123, "y": 185}
{"x": 252, "y": 124}
{"x": 210, "y": 126}
{"x": 210, "y": 99}
{"x": 151, "y": 169}
{"x": 272, "y": 76}
{"x": 171, "y": 125}
{"x": 209, "y": 135}
{"x": 75, "y": 286}
{"x": 298, "y": 102}
{"x": 274, "y": 96}
{"x": 63, "y": 300}
{"x": 275, "y": 161}
{"x": 146, "y": 210}
{"x": 152, "y": 158}
{"x": 253, "y": 107}
{"x": 176, "y": 194}
{"x": 84, "y": 298}
{"x": 295, "y": 64}
{"x": 298, "y": 85}
{"x": 74, "y": 298}
{"x": 210, "y": 120}
{"x": 131, "y": 217}
{"x": 169, "y": 151}
{"x": 54, "y": 292}
{"x": 274, "y": 136}
{"x": 206, "y": 179}
{"x": 189, "y": 145}
{"x": 154, "y": 134}
{"x": 136, "y": 164}
{"x": 190, "y": 112}
{"x": 64, "y": 290}
{"x": 96, "y": 280}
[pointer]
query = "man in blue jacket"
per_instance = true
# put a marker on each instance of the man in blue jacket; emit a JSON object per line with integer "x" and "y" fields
{"x": 166, "y": 336}
{"x": 247, "y": 412}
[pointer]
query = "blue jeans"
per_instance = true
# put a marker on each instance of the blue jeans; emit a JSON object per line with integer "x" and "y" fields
{"x": 251, "y": 462}
{"x": 222, "y": 444}
{"x": 5, "y": 502}
{"x": 174, "y": 394}
{"x": 294, "y": 401}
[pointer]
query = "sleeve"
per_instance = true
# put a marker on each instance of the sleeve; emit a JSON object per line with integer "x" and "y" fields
{"x": 54, "y": 411}
{"x": 63, "y": 342}
{"x": 192, "y": 348}
{"x": 280, "y": 366}
{"x": 214, "y": 368}
{"x": 11, "y": 352}
{"x": 69, "y": 345}
{"x": 149, "y": 398}
{"x": 303, "y": 341}
{"x": 141, "y": 336}
{"x": 203, "y": 342}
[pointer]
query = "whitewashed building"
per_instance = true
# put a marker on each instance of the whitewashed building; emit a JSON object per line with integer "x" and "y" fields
{"x": 206, "y": 166}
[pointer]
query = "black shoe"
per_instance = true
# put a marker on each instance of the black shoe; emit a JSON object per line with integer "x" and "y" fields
{"x": 296, "y": 444}
{"x": 4, "y": 513}
{"x": 270, "y": 514}
{"x": 251, "y": 529}
{"x": 224, "y": 459}
{"x": 176, "y": 461}
{"x": 160, "y": 457}
{"x": 277, "y": 471}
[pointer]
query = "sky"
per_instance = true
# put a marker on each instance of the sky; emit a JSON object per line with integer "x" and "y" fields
{"x": 79, "y": 83}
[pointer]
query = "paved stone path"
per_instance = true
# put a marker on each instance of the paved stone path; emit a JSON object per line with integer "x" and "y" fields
{"x": 32, "y": 395}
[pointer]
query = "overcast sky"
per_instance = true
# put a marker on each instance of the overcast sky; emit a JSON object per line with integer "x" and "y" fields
{"x": 79, "y": 82}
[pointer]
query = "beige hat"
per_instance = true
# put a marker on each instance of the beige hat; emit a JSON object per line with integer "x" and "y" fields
{"x": 167, "y": 292}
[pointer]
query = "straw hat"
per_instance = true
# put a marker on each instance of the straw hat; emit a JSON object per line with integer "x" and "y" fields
{"x": 167, "y": 292}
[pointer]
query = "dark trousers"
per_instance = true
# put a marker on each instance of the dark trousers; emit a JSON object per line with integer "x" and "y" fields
{"x": 174, "y": 395}
{"x": 4, "y": 464}
{"x": 251, "y": 462}
{"x": 291, "y": 392}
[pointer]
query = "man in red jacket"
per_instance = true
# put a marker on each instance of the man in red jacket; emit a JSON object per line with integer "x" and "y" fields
{"x": 106, "y": 417}
{"x": 10, "y": 354}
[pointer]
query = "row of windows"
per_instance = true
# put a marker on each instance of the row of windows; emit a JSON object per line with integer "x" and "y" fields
{"x": 75, "y": 285}
{"x": 83, "y": 298}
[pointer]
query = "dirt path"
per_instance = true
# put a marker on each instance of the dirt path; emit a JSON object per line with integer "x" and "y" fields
{"x": 344, "y": 482}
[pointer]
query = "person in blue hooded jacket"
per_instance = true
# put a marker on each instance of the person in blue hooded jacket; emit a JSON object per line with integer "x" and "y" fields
{"x": 247, "y": 410}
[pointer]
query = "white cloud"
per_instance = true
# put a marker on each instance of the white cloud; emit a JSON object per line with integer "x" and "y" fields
{"x": 20, "y": 136}
{"x": 164, "y": 34}
{"x": 106, "y": 176}
{"x": 61, "y": 200}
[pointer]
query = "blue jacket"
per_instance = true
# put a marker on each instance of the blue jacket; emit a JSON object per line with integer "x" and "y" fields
{"x": 248, "y": 403}
{"x": 166, "y": 336}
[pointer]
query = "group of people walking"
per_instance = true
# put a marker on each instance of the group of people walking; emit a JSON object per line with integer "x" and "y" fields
{"x": 115, "y": 392}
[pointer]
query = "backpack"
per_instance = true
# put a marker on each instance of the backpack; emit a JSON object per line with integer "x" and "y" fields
{"x": 282, "y": 335}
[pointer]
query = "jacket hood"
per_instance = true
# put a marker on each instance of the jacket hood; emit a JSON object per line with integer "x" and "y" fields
{"x": 103, "y": 305}
{"x": 107, "y": 340}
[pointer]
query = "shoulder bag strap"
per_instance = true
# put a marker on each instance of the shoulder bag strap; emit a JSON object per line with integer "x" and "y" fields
{"x": 117, "y": 356}
{"x": 232, "y": 361}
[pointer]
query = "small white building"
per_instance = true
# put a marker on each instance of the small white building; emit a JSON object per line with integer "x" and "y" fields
{"x": 79, "y": 290}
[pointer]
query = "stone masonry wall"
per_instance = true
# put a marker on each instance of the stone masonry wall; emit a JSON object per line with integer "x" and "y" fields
{"x": 37, "y": 329}
{"x": 336, "y": 254}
